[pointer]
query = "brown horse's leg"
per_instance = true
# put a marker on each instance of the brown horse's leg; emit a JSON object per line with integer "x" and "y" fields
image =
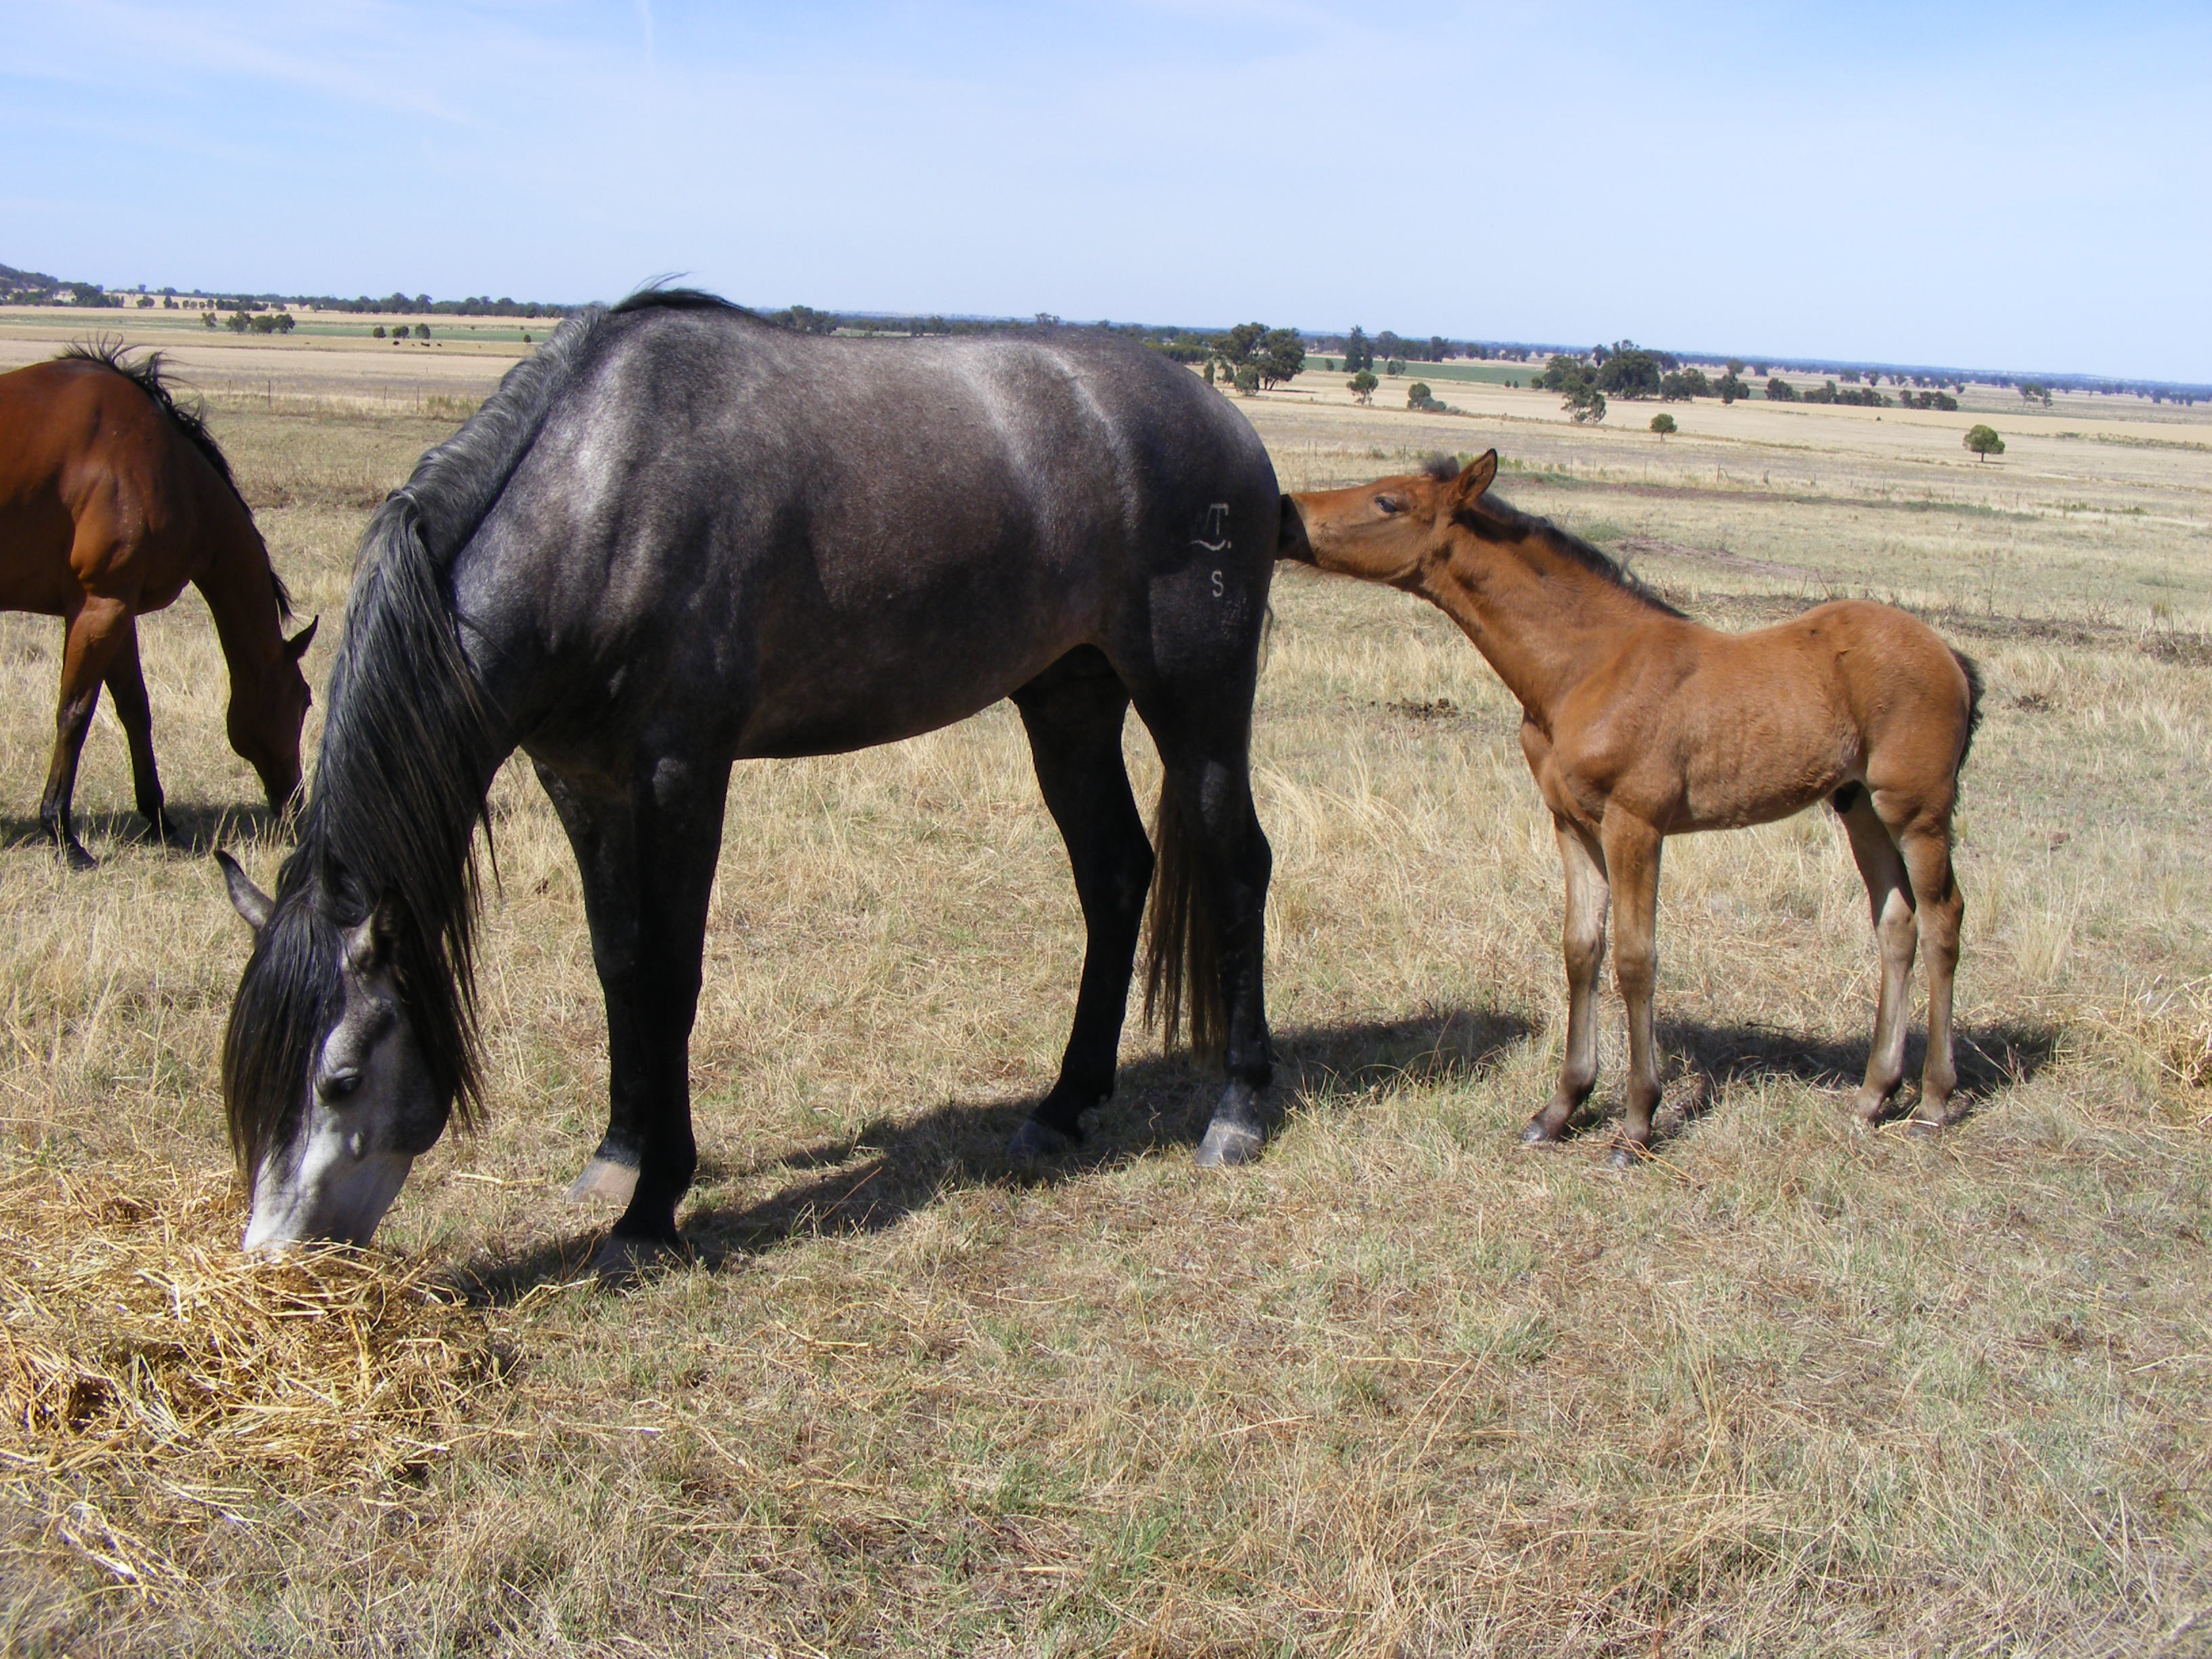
{"x": 1889, "y": 898}
{"x": 95, "y": 635}
{"x": 126, "y": 684}
{"x": 1927, "y": 851}
{"x": 1632, "y": 861}
{"x": 1584, "y": 940}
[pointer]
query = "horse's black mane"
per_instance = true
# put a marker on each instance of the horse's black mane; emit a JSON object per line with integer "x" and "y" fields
{"x": 408, "y": 748}
{"x": 110, "y": 352}
{"x": 1500, "y": 520}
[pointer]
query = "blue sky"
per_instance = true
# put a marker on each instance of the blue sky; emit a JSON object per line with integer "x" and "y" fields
{"x": 2022, "y": 187}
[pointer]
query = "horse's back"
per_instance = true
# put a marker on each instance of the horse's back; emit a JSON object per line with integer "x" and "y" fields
{"x": 845, "y": 542}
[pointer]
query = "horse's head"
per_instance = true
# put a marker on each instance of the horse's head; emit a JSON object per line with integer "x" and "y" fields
{"x": 1391, "y": 530}
{"x": 331, "y": 1096}
{"x": 267, "y": 712}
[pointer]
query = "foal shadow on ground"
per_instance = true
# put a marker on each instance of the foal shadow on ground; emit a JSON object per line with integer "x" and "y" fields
{"x": 199, "y": 830}
{"x": 1700, "y": 1061}
{"x": 876, "y": 1178}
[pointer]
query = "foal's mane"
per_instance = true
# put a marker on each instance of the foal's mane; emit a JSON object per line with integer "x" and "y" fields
{"x": 1496, "y": 520}
{"x": 408, "y": 744}
{"x": 110, "y": 352}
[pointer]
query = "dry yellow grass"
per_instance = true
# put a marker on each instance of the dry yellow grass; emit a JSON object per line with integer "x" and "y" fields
{"x": 1402, "y": 1388}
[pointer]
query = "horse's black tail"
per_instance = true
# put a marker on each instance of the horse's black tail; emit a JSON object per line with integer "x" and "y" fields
{"x": 1182, "y": 944}
{"x": 1972, "y": 670}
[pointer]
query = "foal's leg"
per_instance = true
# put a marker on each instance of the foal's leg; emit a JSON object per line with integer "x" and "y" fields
{"x": 126, "y": 684}
{"x": 95, "y": 635}
{"x": 1632, "y": 861}
{"x": 1927, "y": 848}
{"x": 646, "y": 853}
{"x": 1073, "y": 713}
{"x": 1889, "y": 896}
{"x": 1584, "y": 937}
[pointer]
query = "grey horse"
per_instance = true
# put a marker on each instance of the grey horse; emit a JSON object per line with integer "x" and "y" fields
{"x": 678, "y": 536}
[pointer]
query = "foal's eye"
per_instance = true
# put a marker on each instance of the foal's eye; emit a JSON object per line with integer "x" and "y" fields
{"x": 1390, "y": 503}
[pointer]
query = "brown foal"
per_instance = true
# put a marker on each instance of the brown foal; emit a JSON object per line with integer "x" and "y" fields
{"x": 1641, "y": 724}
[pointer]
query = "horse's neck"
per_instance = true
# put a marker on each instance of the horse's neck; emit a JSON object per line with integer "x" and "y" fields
{"x": 1543, "y": 620}
{"x": 233, "y": 578}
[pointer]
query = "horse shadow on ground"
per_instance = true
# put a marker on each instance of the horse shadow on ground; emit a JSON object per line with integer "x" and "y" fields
{"x": 877, "y": 1177}
{"x": 1702, "y": 1059}
{"x": 199, "y": 830}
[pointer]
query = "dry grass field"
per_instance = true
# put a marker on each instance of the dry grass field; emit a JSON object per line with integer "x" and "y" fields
{"x": 1403, "y": 1388}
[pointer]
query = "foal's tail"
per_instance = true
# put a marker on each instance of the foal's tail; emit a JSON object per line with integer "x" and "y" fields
{"x": 1972, "y": 670}
{"x": 1182, "y": 943}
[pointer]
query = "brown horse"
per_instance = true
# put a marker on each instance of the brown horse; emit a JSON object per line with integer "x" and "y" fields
{"x": 111, "y": 498}
{"x": 1640, "y": 724}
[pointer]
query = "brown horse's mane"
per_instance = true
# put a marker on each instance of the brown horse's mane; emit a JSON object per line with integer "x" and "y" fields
{"x": 1498, "y": 520}
{"x": 110, "y": 353}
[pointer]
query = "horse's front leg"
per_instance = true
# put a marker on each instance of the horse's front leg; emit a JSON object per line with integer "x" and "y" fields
{"x": 95, "y": 634}
{"x": 1631, "y": 851}
{"x": 1583, "y": 945}
{"x": 126, "y": 684}
{"x": 646, "y": 854}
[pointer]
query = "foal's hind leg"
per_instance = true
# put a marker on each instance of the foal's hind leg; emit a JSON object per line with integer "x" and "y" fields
{"x": 1889, "y": 896}
{"x": 1632, "y": 861}
{"x": 1927, "y": 849}
{"x": 1073, "y": 713}
{"x": 1584, "y": 940}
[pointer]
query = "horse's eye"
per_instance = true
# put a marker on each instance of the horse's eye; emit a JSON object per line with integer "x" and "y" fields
{"x": 1389, "y": 504}
{"x": 336, "y": 1085}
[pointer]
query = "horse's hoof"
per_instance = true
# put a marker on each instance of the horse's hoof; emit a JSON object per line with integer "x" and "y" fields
{"x": 76, "y": 857}
{"x": 1921, "y": 1128}
{"x": 620, "y": 1260}
{"x": 1626, "y": 1156}
{"x": 1536, "y": 1134}
{"x": 1035, "y": 1140}
{"x": 605, "y": 1181}
{"x": 1226, "y": 1145}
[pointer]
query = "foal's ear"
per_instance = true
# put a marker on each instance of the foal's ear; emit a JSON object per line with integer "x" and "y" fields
{"x": 296, "y": 647}
{"x": 246, "y": 898}
{"x": 1477, "y": 478}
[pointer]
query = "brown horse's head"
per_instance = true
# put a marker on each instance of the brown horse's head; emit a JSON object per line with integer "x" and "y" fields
{"x": 267, "y": 712}
{"x": 1390, "y": 531}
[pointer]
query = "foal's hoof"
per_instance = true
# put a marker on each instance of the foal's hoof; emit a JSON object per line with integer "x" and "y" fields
{"x": 1628, "y": 1155}
{"x": 1226, "y": 1145}
{"x": 620, "y": 1260}
{"x": 605, "y": 1182}
{"x": 1921, "y": 1128}
{"x": 1536, "y": 1134}
{"x": 1035, "y": 1140}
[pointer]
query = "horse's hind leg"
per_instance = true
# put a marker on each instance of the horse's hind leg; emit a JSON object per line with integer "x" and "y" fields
{"x": 1927, "y": 849}
{"x": 1889, "y": 898}
{"x": 1212, "y": 848}
{"x": 1632, "y": 862}
{"x": 1073, "y": 714}
{"x": 95, "y": 633}
{"x": 126, "y": 684}
{"x": 1583, "y": 939}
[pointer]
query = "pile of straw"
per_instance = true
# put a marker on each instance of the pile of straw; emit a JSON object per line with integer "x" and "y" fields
{"x": 142, "y": 1357}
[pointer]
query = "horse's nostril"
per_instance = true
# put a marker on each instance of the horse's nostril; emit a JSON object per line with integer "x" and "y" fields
{"x": 336, "y": 1085}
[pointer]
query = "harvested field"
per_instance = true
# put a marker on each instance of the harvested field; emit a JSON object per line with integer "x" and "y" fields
{"x": 1403, "y": 1388}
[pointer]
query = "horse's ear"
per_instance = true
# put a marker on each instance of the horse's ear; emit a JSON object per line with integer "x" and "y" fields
{"x": 296, "y": 647}
{"x": 1477, "y": 476}
{"x": 368, "y": 942}
{"x": 246, "y": 898}
{"x": 1291, "y": 541}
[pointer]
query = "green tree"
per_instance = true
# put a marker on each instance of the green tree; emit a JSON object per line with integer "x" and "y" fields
{"x": 1585, "y": 403}
{"x": 376, "y": 333}
{"x": 1247, "y": 378}
{"x": 1209, "y": 371}
{"x": 1663, "y": 424}
{"x": 1358, "y": 352}
{"x": 207, "y": 317}
{"x": 1281, "y": 355}
{"x": 1629, "y": 372}
{"x": 1983, "y": 442}
{"x": 1362, "y": 385}
{"x": 422, "y": 330}
{"x": 239, "y": 322}
{"x": 1395, "y": 366}
{"x": 1780, "y": 391}
{"x": 1417, "y": 396}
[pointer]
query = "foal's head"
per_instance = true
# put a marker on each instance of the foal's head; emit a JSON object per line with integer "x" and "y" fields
{"x": 1394, "y": 530}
